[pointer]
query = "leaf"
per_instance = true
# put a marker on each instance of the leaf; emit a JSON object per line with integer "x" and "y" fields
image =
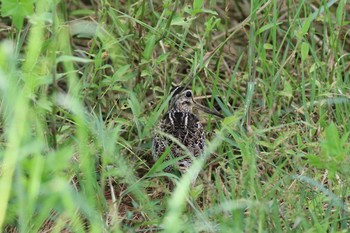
{"x": 266, "y": 27}
{"x": 268, "y": 46}
{"x": 287, "y": 90}
{"x": 18, "y": 10}
{"x": 232, "y": 120}
{"x": 211, "y": 24}
{"x": 179, "y": 21}
{"x": 340, "y": 12}
{"x": 162, "y": 57}
{"x": 149, "y": 47}
{"x": 316, "y": 161}
{"x": 197, "y": 4}
{"x": 83, "y": 28}
{"x": 304, "y": 50}
{"x": 334, "y": 152}
{"x": 65, "y": 58}
{"x": 209, "y": 12}
{"x": 134, "y": 103}
{"x": 121, "y": 72}
{"x": 331, "y": 146}
{"x": 306, "y": 25}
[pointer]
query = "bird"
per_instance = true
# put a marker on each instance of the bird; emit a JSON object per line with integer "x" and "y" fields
{"x": 181, "y": 123}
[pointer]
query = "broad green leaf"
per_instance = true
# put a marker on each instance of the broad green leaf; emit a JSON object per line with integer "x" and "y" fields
{"x": 334, "y": 152}
{"x": 197, "y": 4}
{"x": 162, "y": 58}
{"x": 83, "y": 28}
{"x": 306, "y": 25}
{"x": 179, "y": 21}
{"x": 149, "y": 47}
{"x": 304, "y": 50}
{"x": 18, "y": 10}
{"x": 268, "y": 46}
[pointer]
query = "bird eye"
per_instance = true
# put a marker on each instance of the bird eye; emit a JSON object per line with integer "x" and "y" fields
{"x": 188, "y": 94}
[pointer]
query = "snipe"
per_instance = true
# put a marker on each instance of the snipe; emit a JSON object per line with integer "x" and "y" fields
{"x": 181, "y": 123}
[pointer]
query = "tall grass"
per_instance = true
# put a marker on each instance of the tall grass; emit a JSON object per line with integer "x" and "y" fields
{"x": 83, "y": 85}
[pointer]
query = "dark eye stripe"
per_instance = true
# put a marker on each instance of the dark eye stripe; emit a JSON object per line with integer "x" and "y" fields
{"x": 176, "y": 90}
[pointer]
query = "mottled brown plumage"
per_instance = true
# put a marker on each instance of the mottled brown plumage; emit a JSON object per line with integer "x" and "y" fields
{"x": 181, "y": 123}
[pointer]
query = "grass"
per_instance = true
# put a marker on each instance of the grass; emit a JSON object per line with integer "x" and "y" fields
{"x": 83, "y": 85}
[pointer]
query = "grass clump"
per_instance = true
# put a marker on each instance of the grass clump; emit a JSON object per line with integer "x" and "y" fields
{"x": 83, "y": 85}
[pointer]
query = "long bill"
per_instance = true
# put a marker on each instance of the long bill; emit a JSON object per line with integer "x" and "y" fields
{"x": 207, "y": 110}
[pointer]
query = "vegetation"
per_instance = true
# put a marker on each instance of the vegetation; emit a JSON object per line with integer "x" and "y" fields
{"x": 83, "y": 84}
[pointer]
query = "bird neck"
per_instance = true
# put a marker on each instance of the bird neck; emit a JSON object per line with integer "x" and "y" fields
{"x": 173, "y": 110}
